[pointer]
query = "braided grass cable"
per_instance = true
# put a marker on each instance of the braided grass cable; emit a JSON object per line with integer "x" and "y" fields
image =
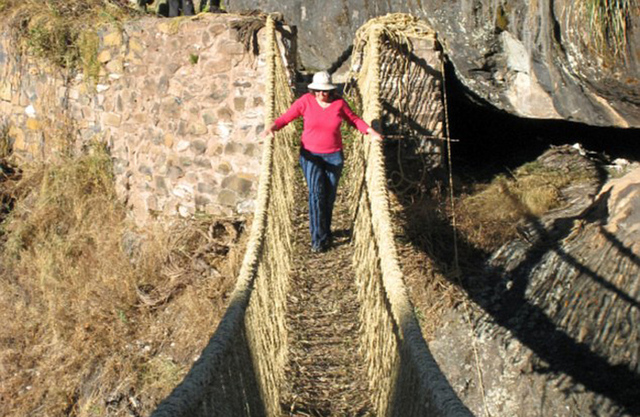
{"x": 241, "y": 368}
{"x": 403, "y": 375}
{"x": 267, "y": 308}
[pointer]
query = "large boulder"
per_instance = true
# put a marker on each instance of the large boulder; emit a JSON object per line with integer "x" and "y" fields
{"x": 539, "y": 59}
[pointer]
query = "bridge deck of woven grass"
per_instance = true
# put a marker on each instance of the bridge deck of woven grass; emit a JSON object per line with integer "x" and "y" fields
{"x": 325, "y": 373}
{"x": 269, "y": 356}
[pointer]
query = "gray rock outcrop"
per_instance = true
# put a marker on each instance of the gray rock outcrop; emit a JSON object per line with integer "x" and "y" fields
{"x": 541, "y": 59}
{"x": 556, "y": 326}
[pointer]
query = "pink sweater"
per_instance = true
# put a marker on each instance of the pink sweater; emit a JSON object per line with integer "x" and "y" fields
{"x": 321, "y": 133}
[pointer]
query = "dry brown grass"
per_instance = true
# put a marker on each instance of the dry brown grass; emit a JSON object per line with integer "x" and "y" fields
{"x": 422, "y": 237}
{"x": 487, "y": 216}
{"x": 490, "y": 214}
{"x": 99, "y": 319}
{"x": 62, "y": 31}
{"x": 5, "y": 142}
{"x": 609, "y": 25}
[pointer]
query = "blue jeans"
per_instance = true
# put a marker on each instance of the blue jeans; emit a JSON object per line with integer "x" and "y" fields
{"x": 322, "y": 172}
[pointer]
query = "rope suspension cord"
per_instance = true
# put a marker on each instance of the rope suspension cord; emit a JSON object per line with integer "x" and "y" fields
{"x": 398, "y": 43}
{"x": 398, "y": 356}
{"x": 467, "y": 312}
{"x": 450, "y": 168}
{"x": 397, "y": 30}
{"x": 269, "y": 112}
{"x": 245, "y": 333}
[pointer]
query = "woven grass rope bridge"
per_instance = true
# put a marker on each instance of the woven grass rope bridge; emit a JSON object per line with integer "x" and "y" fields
{"x": 327, "y": 334}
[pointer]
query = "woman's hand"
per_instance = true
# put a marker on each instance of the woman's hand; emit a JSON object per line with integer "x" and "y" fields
{"x": 268, "y": 132}
{"x": 265, "y": 133}
{"x": 374, "y": 134}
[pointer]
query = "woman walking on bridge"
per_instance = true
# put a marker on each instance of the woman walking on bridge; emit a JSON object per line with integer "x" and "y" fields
{"x": 321, "y": 157}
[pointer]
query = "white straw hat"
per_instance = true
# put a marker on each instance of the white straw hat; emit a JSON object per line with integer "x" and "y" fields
{"x": 321, "y": 81}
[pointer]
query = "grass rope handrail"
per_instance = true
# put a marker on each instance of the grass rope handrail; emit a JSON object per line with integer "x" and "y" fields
{"x": 439, "y": 397}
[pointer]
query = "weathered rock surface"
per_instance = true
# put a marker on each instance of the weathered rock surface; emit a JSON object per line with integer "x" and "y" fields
{"x": 557, "y": 314}
{"x": 537, "y": 59}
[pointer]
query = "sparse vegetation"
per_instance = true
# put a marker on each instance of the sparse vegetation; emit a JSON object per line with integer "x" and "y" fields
{"x": 609, "y": 24}
{"x": 62, "y": 31}
{"x": 88, "y": 43}
{"x": 489, "y": 216}
{"x": 5, "y": 141}
{"x": 95, "y": 312}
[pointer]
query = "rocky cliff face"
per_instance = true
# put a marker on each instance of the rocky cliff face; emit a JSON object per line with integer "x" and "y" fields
{"x": 539, "y": 59}
{"x": 555, "y": 313}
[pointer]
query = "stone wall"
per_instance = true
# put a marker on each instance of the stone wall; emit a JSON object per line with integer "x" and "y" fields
{"x": 179, "y": 103}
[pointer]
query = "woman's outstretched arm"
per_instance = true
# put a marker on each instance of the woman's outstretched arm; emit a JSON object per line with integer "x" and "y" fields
{"x": 287, "y": 117}
{"x": 355, "y": 121}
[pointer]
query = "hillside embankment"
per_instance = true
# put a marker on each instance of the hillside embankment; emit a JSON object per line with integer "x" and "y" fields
{"x": 546, "y": 289}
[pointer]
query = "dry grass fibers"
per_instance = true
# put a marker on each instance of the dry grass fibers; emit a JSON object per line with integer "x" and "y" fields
{"x": 100, "y": 319}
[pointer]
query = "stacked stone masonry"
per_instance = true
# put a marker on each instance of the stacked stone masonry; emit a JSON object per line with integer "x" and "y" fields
{"x": 179, "y": 102}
